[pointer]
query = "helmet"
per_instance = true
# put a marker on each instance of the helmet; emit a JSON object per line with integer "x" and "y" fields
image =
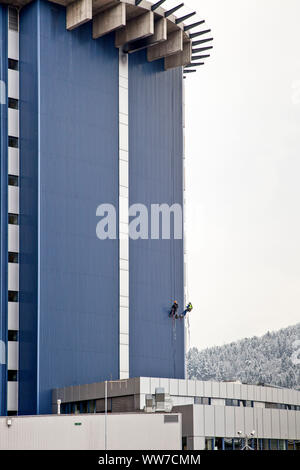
{"x": 175, "y": 302}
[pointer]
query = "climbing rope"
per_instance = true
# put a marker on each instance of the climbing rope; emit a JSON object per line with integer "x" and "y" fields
{"x": 189, "y": 332}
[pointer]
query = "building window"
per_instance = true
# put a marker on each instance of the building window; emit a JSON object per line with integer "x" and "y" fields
{"x": 231, "y": 402}
{"x": 228, "y": 444}
{"x": 265, "y": 444}
{"x": 202, "y": 401}
{"x": 13, "y": 257}
{"x": 12, "y": 375}
{"x": 237, "y": 444}
{"x": 282, "y": 444}
{"x": 13, "y": 180}
{"x": 273, "y": 444}
{"x": 13, "y": 296}
{"x": 290, "y": 445}
{"x": 246, "y": 403}
{"x": 91, "y": 406}
{"x": 209, "y": 443}
{"x": 12, "y": 335}
{"x": 13, "y": 142}
{"x": 13, "y": 64}
{"x": 13, "y": 103}
{"x": 297, "y": 445}
{"x": 218, "y": 443}
{"x": 13, "y": 219}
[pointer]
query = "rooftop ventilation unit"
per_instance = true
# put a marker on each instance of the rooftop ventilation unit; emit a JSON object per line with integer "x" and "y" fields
{"x": 13, "y": 19}
{"x": 159, "y": 402}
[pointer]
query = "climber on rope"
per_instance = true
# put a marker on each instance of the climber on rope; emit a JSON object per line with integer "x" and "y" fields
{"x": 174, "y": 308}
{"x": 188, "y": 309}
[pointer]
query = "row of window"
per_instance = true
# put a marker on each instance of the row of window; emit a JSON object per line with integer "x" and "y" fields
{"x": 80, "y": 407}
{"x": 223, "y": 443}
{"x": 281, "y": 406}
{"x": 13, "y": 180}
{"x": 246, "y": 403}
{"x": 228, "y": 402}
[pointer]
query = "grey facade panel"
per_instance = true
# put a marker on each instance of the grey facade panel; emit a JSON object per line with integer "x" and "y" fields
{"x": 219, "y": 420}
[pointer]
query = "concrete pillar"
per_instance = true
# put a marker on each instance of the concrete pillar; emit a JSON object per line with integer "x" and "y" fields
{"x": 79, "y": 12}
{"x": 137, "y": 28}
{"x": 109, "y": 20}
{"x": 180, "y": 59}
{"x": 173, "y": 45}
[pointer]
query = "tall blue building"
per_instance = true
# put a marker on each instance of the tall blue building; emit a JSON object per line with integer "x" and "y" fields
{"x": 91, "y": 113}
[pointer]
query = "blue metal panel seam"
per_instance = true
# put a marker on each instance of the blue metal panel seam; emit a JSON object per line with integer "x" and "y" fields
{"x": 39, "y": 199}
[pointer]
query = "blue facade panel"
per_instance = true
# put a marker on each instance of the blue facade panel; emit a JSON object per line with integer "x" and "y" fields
{"x": 71, "y": 290}
{"x": 28, "y": 220}
{"x": 155, "y": 177}
{"x": 3, "y": 208}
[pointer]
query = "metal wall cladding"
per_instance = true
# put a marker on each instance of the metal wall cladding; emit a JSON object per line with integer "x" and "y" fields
{"x": 3, "y": 205}
{"x": 69, "y": 165}
{"x": 155, "y": 177}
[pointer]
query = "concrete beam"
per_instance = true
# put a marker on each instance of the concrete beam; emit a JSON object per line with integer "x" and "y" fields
{"x": 181, "y": 59}
{"x": 160, "y": 34}
{"x": 173, "y": 45}
{"x": 138, "y": 28}
{"x": 79, "y": 12}
{"x": 109, "y": 20}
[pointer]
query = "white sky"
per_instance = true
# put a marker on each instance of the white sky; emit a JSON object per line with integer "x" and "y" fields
{"x": 243, "y": 171}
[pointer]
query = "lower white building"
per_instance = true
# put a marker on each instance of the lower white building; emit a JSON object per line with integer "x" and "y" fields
{"x": 215, "y": 415}
{"x": 125, "y": 431}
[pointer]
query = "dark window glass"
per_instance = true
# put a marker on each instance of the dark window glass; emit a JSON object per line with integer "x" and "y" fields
{"x": 12, "y": 335}
{"x": 13, "y": 180}
{"x": 281, "y": 444}
{"x": 237, "y": 443}
{"x": 228, "y": 444}
{"x": 13, "y": 257}
{"x": 13, "y": 142}
{"x": 92, "y": 406}
{"x": 273, "y": 444}
{"x": 13, "y": 219}
{"x": 209, "y": 443}
{"x": 290, "y": 445}
{"x": 13, "y": 103}
{"x": 218, "y": 443}
{"x": 202, "y": 401}
{"x": 231, "y": 402}
{"x": 265, "y": 444}
{"x": 13, "y": 296}
{"x": 12, "y": 375}
{"x": 248, "y": 403}
{"x": 13, "y": 64}
{"x": 272, "y": 405}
